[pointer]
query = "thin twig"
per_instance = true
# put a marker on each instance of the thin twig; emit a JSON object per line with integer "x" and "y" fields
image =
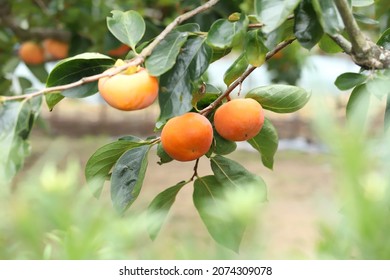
{"x": 241, "y": 79}
{"x": 195, "y": 170}
{"x": 133, "y": 62}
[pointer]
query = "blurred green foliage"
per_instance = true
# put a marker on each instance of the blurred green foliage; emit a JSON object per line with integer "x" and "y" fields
{"x": 358, "y": 220}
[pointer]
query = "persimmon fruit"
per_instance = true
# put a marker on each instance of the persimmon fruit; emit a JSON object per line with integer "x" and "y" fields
{"x": 55, "y": 49}
{"x": 31, "y": 53}
{"x": 132, "y": 89}
{"x": 119, "y": 51}
{"x": 239, "y": 119}
{"x": 187, "y": 137}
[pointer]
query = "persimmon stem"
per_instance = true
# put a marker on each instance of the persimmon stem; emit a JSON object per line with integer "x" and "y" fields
{"x": 241, "y": 79}
{"x": 195, "y": 170}
{"x": 139, "y": 59}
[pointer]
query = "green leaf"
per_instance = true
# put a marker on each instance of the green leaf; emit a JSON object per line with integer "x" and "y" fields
{"x": 362, "y": 3}
{"x": 75, "y": 68}
{"x": 307, "y": 28}
{"x": 266, "y": 143}
{"x": 379, "y": 85}
{"x": 280, "y": 98}
{"x": 274, "y": 12}
{"x": 219, "y": 53}
{"x": 16, "y": 121}
{"x": 328, "y": 16}
{"x": 255, "y": 49}
{"x": 127, "y": 177}
{"x": 128, "y": 27}
{"x": 99, "y": 165}
{"x": 365, "y": 19}
{"x": 225, "y": 229}
{"x": 349, "y": 80}
{"x": 384, "y": 40}
{"x": 39, "y": 71}
{"x": 163, "y": 57}
{"x": 282, "y": 33}
{"x": 162, "y": 154}
{"x": 235, "y": 70}
{"x": 233, "y": 175}
{"x": 177, "y": 85}
{"x": 221, "y": 146}
{"x": 224, "y": 34}
{"x": 328, "y": 45}
{"x": 202, "y": 100}
{"x": 159, "y": 208}
{"x": 358, "y": 105}
{"x": 52, "y": 99}
{"x": 24, "y": 83}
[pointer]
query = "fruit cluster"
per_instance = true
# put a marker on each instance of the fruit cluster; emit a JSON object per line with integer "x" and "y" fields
{"x": 189, "y": 136}
{"x": 33, "y": 53}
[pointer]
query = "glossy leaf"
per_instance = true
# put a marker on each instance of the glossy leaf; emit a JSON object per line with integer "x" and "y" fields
{"x": 159, "y": 208}
{"x": 224, "y": 34}
{"x": 225, "y": 229}
{"x": 221, "y": 146}
{"x": 307, "y": 28}
{"x": 328, "y": 16}
{"x": 384, "y": 40}
{"x": 127, "y": 177}
{"x": 280, "y": 98}
{"x": 233, "y": 175}
{"x": 177, "y": 85}
{"x": 235, "y": 70}
{"x": 163, "y": 57}
{"x": 16, "y": 121}
{"x": 128, "y": 27}
{"x": 274, "y": 12}
{"x": 75, "y": 68}
{"x": 255, "y": 49}
{"x": 282, "y": 33}
{"x": 99, "y": 165}
{"x": 349, "y": 80}
{"x": 266, "y": 143}
{"x": 52, "y": 99}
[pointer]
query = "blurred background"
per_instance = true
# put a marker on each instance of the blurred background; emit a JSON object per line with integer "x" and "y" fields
{"x": 326, "y": 195}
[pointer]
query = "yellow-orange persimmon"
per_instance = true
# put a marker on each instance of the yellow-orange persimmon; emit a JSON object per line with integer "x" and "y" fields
{"x": 31, "y": 53}
{"x": 129, "y": 90}
{"x": 55, "y": 49}
{"x": 119, "y": 51}
{"x": 187, "y": 137}
{"x": 239, "y": 119}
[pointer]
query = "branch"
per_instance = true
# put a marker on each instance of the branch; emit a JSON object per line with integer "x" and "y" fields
{"x": 133, "y": 62}
{"x": 362, "y": 50}
{"x": 358, "y": 40}
{"x": 342, "y": 42}
{"x": 241, "y": 79}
